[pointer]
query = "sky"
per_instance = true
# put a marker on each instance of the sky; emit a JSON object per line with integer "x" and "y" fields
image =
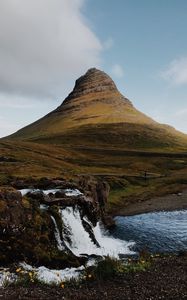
{"x": 45, "y": 45}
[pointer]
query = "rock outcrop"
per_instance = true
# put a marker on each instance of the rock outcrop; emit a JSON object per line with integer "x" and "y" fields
{"x": 27, "y": 233}
{"x": 98, "y": 192}
{"x": 94, "y": 81}
{"x": 27, "y": 230}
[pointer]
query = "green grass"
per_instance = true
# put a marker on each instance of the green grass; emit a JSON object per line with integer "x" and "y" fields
{"x": 138, "y": 189}
{"x": 110, "y": 267}
{"x": 122, "y": 168}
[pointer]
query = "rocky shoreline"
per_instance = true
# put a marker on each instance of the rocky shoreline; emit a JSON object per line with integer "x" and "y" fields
{"x": 169, "y": 202}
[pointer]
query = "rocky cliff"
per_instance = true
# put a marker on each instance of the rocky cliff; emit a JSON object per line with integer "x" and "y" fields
{"x": 31, "y": 226}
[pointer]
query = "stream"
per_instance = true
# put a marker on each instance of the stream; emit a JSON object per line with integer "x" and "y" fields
{"x": 163, "y": 232}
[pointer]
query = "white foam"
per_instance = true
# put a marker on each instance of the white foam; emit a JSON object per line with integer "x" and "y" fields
{"x": 109, "y": 245}
{"x": 52, "y": 276}
{"x": 44, "y": 206}
{"x": 72, "y": 192}
{"x": 81, "y": 242}
{"x": 6, "y": 277}
{"x": 25, "y": 191}
{"x": 68, "y": 192}
{"x": 60, "y": 244}
{"x": 50, "y": 191}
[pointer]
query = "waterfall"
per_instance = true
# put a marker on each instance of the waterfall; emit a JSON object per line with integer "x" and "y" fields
{"x": 60, "y": 244}
{"x": 75, "y": 237}
{"x": 68, "y": 192}
{"x": 79, "y": 241}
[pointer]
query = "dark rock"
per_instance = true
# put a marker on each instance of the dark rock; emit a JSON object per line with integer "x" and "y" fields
{"x": 108, "y": 221}
{"x": 97, "y": 192}
{"x": 43, "y": 183}
{"x": 7, "y": 159}
{"x": 27, "y": 233}
{"x": 93, "y": 81}
{"x": 60, "y": 194}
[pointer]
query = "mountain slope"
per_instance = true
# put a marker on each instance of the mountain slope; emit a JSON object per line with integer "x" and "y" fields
{"x": 95, "y": 114}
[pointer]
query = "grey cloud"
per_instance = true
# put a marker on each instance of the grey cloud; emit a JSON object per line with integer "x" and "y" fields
{"x": 42, "y": 43}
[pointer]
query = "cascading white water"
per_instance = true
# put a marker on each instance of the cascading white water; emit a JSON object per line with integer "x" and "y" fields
{"x": 60, "y": 245}
{"x": 81, "y": 242}
{"x": 76, "y": 238}
{"x": 68, "y": 192}
{"x": 110, "y": 245}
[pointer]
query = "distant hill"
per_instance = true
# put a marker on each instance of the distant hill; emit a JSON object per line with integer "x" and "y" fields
{"x": 96, "y": 114}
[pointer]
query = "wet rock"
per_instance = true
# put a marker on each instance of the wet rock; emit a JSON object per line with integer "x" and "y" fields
{"x": 108, "y": 221}
{"x": 27, "y": 233}
{"x": 60, "y": 194}
{"x": 97, "y": 191}
{"x": 40, "y": 196}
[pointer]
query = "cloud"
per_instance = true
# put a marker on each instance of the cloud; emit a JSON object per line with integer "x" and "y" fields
{"x": 117, "y": 71}
{"x": 176, "y": 73}
{"x": 16, "y": 102}
{"x": 42, "y": 43}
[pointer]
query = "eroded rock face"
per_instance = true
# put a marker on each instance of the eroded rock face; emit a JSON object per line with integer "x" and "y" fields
{"x": 92, "y": 90}
{"x": 92, "y": 82}
{"x": 98, "y": 192}
{"x": 27, "y": 233}
{"x": 11, "y": 209}
{"x": 95, "y": 189}
{"x": 42, "y": 183}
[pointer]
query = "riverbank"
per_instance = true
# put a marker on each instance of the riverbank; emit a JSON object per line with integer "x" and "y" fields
{"x": 168, "y": 202}
{"x": 165, "y": 279}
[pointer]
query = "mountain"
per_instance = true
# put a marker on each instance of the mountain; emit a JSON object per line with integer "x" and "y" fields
{"x": 96, "y": 130}
{"x": 96, "y": 114}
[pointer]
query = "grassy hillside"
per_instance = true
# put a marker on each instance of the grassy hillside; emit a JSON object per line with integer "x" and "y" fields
{"x": 34, "y": 159}
{"x": 123, "y": 170}
{"x": 98, "y": 131}
{"x": 96, "y": 115}
{"x": 90, "y": 110}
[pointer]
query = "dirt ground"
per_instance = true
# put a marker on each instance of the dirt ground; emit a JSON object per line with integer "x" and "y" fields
{"x": 166, "y": 278}
{"x": 169, "y": 202}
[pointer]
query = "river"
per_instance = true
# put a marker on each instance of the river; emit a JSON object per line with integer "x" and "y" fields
{"x": 162, "y": 232}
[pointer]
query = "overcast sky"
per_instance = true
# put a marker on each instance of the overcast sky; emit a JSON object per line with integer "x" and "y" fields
{"x": 46, "y": 44}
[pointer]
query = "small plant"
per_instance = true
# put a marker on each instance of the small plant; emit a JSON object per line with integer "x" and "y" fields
{"x": 110, "y": 267}
{"x": 25, "y": 278}
{"x": 107, "y": 268}
{"x": 136, "y": 266}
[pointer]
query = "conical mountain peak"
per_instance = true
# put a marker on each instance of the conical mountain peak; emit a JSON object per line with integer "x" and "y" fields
{"x": 96, "y": 114}
{"x": 93, "y": 81}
